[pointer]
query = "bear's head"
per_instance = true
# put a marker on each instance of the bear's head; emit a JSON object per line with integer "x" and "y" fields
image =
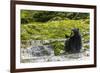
{"x": 75, "y": 31}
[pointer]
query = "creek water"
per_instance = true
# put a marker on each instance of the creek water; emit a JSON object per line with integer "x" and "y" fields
{"x": 38, "y": 52}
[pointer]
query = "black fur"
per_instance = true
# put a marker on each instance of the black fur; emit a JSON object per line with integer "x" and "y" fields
{"x": 74, "y": 42}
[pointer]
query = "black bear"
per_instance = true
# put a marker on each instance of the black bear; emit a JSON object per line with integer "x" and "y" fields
{"x": 74, "y": 42}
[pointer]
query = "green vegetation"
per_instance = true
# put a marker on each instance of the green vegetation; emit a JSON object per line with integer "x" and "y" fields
{"x": 52, "y": 29}
{"x": 58, "y": 46}
{"x": 28, "y": 16}
{"x": 44, "y": 25}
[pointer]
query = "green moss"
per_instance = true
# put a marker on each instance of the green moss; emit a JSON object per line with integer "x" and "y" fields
{"x": 57, "y": 46}
{"x": 54, "y": 29}
{"x": 86, "y": 46}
